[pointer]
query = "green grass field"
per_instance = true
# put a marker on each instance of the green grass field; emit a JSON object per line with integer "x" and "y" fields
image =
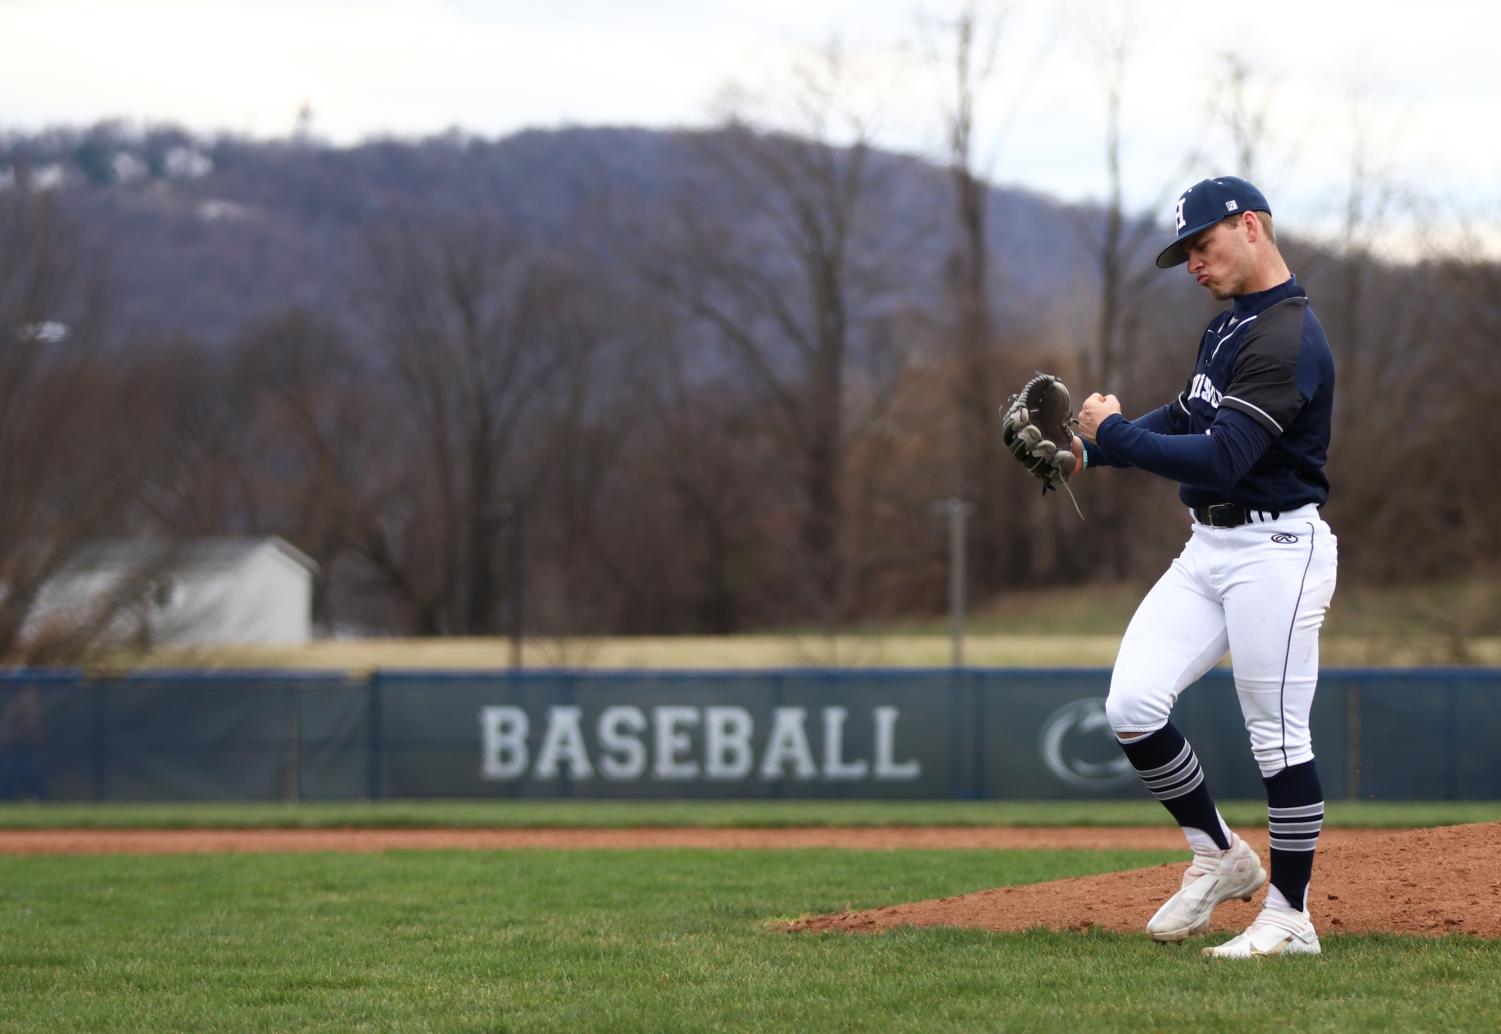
{"x": 667, "y": 940}
{"x": 760, "y": 814}
{"x": 648, "y": 941}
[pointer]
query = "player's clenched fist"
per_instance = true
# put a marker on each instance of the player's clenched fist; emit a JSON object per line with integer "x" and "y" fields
{"x": 1096, "y": 408}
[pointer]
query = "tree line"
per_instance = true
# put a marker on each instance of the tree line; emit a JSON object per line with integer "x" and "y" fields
{"x": 731, "y": 407}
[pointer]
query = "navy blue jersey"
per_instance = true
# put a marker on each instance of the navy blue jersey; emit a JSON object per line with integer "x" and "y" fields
{"x": 1267, "y": 358}
{"x": 1264, "y": 379}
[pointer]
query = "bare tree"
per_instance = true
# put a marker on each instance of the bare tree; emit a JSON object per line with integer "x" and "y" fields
{"x": 1466, "y": 331}
{"x": 464, "y": 317}
{"x": 1115, "y": 236}
{"x": 309, "y": 432}
{"x": 710, "y": 454}
{"x": 1118, "y": 242}
{"x": 201, "y": 475}
{"x": 1383, "y": 321}
{"x": 577, "y": 441}
{"x": 973, "y": 42}
{"x": 1372, "y": 197}
{"x": 76, "y": 431}
{"x": 777, "y": 258}
{"x": 1244, "y": 118}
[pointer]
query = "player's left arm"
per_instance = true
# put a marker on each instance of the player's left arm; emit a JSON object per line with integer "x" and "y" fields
{"x": 1216, "y": 459}
{"x": 1171, "y": 418}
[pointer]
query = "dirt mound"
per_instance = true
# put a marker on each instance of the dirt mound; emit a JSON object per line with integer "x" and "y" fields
{"x": 1424, "y": 881}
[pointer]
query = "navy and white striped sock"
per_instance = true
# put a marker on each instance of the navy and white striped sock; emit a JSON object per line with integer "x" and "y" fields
{"x": 1170, "y": 769}
{"x": 1295, "y": 817}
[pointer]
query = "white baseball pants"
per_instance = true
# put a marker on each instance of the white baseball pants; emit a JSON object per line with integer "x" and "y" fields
{"x": 1259, "y": 591}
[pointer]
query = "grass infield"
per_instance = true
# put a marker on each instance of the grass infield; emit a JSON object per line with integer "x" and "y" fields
{"x": 745, "y": 814}
{"x": 625, "y": 941}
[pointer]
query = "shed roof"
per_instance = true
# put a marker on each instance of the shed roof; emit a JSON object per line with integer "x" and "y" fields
{"x": 187, "y": 554}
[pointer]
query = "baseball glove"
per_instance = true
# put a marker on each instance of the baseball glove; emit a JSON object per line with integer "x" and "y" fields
{"x": 1038, "y": 428}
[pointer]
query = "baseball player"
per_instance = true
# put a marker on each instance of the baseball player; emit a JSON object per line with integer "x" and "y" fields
{"x": 1246, "y": 439}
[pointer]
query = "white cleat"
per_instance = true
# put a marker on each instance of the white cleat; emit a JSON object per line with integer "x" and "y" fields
{"x": 1210, "y": 879}
{"x": 1277, "y": 931}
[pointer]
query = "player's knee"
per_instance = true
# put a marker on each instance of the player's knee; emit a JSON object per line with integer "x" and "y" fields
{"x": 1272, "y": 759}
{"x": 1269, "y": 765}
{"x": 1278, "y": 741}
{"x": 1132, "y": 712}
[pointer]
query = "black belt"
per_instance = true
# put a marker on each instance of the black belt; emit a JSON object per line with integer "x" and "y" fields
{"x": 1229, "y": 515}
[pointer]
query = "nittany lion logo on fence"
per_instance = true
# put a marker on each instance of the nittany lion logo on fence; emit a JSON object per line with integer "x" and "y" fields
{"x": 1080, "y": 749}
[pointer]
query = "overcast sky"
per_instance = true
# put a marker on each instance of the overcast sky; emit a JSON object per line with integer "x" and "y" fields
{"x": 1417, "y": 84}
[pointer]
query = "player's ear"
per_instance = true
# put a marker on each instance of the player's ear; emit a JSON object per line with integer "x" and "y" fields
{"x": 1255, "y": 229}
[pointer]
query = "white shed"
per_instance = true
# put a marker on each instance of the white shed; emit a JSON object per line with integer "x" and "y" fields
{"x": 201, "y": 592}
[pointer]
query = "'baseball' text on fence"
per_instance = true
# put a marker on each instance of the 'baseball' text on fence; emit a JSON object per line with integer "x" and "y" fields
{"x": 686, "y": 744}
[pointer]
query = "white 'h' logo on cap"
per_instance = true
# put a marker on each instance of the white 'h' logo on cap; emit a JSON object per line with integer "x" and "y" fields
{"x": 1178, "y": 215}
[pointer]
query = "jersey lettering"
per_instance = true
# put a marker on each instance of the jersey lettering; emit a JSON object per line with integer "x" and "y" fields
{"x": 1202, "y": 388}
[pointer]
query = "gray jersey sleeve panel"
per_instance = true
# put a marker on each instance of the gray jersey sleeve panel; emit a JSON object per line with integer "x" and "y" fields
{"x": 1265, "y": 385}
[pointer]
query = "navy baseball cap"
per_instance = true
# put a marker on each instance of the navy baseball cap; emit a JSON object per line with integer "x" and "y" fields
{"x": 1204, "y": 204}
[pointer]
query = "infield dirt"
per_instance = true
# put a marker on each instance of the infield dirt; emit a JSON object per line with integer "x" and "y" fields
{"x": 1423, "y": 881}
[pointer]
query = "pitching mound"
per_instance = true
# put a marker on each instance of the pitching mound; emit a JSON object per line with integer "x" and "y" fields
{"x": 1424, "y": 881}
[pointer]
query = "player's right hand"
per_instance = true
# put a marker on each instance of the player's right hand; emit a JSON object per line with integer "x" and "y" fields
{"x": 1095, "y": 410}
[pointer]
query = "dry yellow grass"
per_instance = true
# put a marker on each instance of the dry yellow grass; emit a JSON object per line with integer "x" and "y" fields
{"x": 774, "y": 651}
{"x": 1369, "y": 626}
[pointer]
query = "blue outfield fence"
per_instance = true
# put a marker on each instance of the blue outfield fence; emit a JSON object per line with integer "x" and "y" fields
{"x": 950, "y": 733}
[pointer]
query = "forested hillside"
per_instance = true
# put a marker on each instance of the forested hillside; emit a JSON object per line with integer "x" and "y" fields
{"x": 642, "y": 381}
{"x": 203, "y": 236}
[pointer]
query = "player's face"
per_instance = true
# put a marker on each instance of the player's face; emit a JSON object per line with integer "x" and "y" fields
{"x": 1220, "y": 259}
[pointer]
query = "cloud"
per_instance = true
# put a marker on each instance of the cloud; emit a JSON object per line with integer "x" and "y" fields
{"x": 1416, "y": 81}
